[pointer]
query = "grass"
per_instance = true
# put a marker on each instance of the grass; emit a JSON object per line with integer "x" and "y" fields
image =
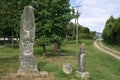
{"x": 115, "y": 47}
{"x": 100, "y": 65}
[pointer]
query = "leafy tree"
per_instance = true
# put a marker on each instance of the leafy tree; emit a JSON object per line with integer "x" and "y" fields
{"x": 10, "y": 14}
{"x": 116, "y": 33}
{"x": 52, "y": 16}
{"x": 108, "y": 31}
{"x": 43, "y": 41}
{"x": 111, "y": 32}
{"x": 70, "y": 34}
{"x": 84, "y": 32}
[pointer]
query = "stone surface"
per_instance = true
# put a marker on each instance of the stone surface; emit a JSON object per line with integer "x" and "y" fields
{"x": 81, "y": 58}
{"x": 43, "y": 73}
{"x": 12, "y": 76}
{"x": 83, "y": 75}
{"x": 67, "y": 68}
{"x": 81, "y": 64}
{"x": 27, "y": 63}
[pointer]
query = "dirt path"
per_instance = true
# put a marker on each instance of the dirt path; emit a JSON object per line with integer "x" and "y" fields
{"x": 1, "y": 46}
{"x": 12, "y": 76}
{"x": 107, "y": 50}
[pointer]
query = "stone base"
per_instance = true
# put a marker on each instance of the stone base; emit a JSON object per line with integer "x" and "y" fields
{"x": 13, "y": 76}
{"x": 83, "y": 75}
{"x": 32, "y": 73}
{"x": 22, "y": 72}
{"x": 43, "y": 73}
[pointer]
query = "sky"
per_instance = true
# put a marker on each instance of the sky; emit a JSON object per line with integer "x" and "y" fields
{"x": 94, "y": 13}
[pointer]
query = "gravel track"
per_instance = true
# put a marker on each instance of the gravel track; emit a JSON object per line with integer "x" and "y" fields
{"x": 107, "y": 50}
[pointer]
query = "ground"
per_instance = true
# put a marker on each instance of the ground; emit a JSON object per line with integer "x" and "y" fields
{"x": 101, "y": 66}
{"x": 107, "y": 50}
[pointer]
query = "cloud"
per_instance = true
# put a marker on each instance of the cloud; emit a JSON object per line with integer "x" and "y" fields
{"x": 94, "y": 13}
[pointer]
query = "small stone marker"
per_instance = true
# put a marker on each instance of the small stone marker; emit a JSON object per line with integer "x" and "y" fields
{"x": 67, "y": 68}
{"x": 81, "y": 64}
{"x": 27, "y": 63}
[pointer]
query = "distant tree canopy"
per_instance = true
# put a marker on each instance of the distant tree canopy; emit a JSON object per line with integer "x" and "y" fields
{"x": 111, "y": 33}
{"x": 83, "y": 32}
{"x": 10, "y": 14}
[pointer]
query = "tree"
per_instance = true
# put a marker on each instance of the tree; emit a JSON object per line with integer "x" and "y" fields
{"x": 10, "y": 14}
{"x": 43, "y": 41}
{"x": 108, "y": 31}
{"x": 84, "y": 32}
{"x": 52, "y": 16}
{"x": 70, "y": 34}
{"x": 111, "y": 32}
{"x": 117, "y": 31}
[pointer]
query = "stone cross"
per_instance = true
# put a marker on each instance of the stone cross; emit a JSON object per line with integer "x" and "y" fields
{"x": 27, "y": 63}
{"x": 81, "y": 58}
{"x": 81, "y": 64}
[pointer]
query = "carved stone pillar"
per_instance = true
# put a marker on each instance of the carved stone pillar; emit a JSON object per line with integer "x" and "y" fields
{"x": 27, "y": 63}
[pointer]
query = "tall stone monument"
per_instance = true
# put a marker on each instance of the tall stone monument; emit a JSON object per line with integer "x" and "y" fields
{"x": 27, "y": 63}
{"x": 81, "y": 64}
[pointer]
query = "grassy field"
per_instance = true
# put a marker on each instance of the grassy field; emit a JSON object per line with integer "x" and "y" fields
{"x": 115, "y": 47}
{"x": 100, "y": 65}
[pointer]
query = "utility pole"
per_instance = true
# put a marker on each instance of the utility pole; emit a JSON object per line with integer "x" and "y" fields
{"x": 76, "y": 21}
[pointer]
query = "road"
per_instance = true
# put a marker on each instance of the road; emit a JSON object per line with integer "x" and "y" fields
{"x": 107, "y": 50}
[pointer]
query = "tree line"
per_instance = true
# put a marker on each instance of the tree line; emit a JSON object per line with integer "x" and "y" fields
{"x": 52, "y": 18}
{"x": 83, "y": 32}
{"x": 10, "y": 14}
{"x": 111, "y": 32}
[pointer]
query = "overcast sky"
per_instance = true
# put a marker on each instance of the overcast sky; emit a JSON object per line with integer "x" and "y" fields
{"x": 94, "y": 13}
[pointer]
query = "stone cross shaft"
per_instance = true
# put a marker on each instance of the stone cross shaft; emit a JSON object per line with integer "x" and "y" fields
{"x": 81, "y": 58}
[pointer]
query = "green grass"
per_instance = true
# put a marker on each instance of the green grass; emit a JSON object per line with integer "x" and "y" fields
{"x": 8, "y": 60}
{"x": 100, "y": 65}
{"x": 115, "y": 47}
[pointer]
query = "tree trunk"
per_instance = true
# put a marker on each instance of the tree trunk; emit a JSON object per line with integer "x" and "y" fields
{"x": 44, "y": 50}
{"x": 57, "y": 47}
{"x": 12, "y": 38}
{"x": 4, "y": 38}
